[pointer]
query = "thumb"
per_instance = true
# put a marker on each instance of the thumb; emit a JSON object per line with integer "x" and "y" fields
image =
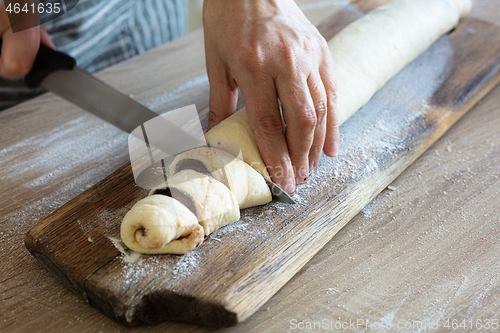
{"x": 223, "y": 92}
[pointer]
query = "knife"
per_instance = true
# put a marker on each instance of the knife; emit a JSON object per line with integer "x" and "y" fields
{"x": 57, "y": 72}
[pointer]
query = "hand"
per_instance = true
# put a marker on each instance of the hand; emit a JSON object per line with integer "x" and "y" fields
{"x": 272, "y": 52}
{"x": 19, "y": 49}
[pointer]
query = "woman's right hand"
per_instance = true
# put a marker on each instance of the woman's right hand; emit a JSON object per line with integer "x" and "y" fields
{"x": 19, "y": 49}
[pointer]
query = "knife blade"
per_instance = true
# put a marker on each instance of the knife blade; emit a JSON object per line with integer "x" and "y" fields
{"x": 91, "y": 94}
{"x": 58, "y": 73}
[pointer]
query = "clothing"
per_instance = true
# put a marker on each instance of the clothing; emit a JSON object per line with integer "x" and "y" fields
{"x": 100, "y": 33}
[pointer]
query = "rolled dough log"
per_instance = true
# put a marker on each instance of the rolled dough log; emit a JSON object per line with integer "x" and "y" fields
{"x": 247, "y": 186}
{"x": 366, "y": 54}
{"x": 160, "y": 224}
{"x": 197, "y": 199}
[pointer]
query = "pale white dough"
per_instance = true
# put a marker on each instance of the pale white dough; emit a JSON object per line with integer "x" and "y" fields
{"x": 371, "y": 50}
{"x": 211, "y": 201}
{"x": 236, "y": 129}
{"x": 160, "y": 224}
{"x": 366, "y": 54}
{"x": 247, "y": 186}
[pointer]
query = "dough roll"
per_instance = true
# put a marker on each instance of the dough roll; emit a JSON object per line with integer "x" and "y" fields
{"x": 161, "y": 224}
{"x": 366, "y": 54}
{"x": 207, "y": 188}
{"x": 210, "y": 201}
{"x": 247, "y": 186}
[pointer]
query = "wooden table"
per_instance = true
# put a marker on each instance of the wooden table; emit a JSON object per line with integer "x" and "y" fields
{"x": 424, "y": 250}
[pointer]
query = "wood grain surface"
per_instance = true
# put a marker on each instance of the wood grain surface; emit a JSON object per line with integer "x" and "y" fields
{"x": 424, "y": 250}
{"x": 239, "y": 268}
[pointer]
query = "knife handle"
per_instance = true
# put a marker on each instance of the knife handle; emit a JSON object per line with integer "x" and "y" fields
{"x": 47, "y": 61}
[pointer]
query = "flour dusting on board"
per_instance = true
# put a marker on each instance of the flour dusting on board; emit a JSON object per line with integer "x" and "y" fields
{"x": 129, "y": 256}
{"x": 62, "y": 152}
{"x": 63, "y": 149}
{"x": 377, "y": 130}
{"x": 186, "y": 264}
{"x": 151, "y": 266}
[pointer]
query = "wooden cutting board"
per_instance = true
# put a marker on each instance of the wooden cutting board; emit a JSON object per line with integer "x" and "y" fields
{"x": 239, "y": 267}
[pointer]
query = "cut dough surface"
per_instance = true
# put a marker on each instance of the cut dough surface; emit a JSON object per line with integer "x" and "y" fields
{"x": 247, "y": 186}
{"x": 236, "y": 129}
{"x": 211, "y": 201}
{"x": 365, "y": 54}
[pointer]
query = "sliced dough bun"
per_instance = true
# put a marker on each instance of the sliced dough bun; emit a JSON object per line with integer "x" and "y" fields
{"x": 211, "y": 201}
{"x": 160, "y": 224}
{"x": 248, "y": 186}
{"x": 236, "y": 129}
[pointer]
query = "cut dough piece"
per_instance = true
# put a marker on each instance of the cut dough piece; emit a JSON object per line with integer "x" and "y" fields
{"x": 220, "y": 164}
{"x": 160, "y": 224}
{"x": 258, "y": 191}
{"x": 236, "y": 129}
{"x": 248, "y": 186}
{"x": 211, "y": 201}
{"x": 366, "y": 54}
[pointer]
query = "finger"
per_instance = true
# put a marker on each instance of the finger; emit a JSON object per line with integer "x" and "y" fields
{"x": 332, "y": 138}
{"x": 18, "y": 53}
{"x": 45, "y": 38}
{"x": 265, "y": 118}
{"x": 223, "y": 91}
{"x": 318, "y": 95}
{"x": 300, "y": 119}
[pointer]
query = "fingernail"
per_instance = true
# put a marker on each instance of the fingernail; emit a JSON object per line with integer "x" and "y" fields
{"x": 335, "y": 148}
{"x": 312, "y": 165}
{"x": 303, "y": 174}
{"x": 287, "y": 185}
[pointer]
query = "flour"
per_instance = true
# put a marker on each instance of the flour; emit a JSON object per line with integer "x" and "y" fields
{"x": 136, "y": 267}
{"x": 62, "y": 152}
{"x": 129, "y": 256}
{"x": 186, "y": 264}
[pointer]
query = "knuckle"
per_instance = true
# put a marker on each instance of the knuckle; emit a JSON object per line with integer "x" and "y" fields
{"x": 269, "y": 125}
{"x": 249, "y": 56}
{"x": 334, "y": 125}
{"x": 288, "y": 61}
{"x": 321, "y": 109}
{"x": 307, "y": 121}
{"x": 333, "y": 93}
{"x": 316, "y": 150}
{"x": 332, "y": 103}
{"x": 333, "y": 85}
{"x": 308, "y": 44}
{"x": 289, "y": 55}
